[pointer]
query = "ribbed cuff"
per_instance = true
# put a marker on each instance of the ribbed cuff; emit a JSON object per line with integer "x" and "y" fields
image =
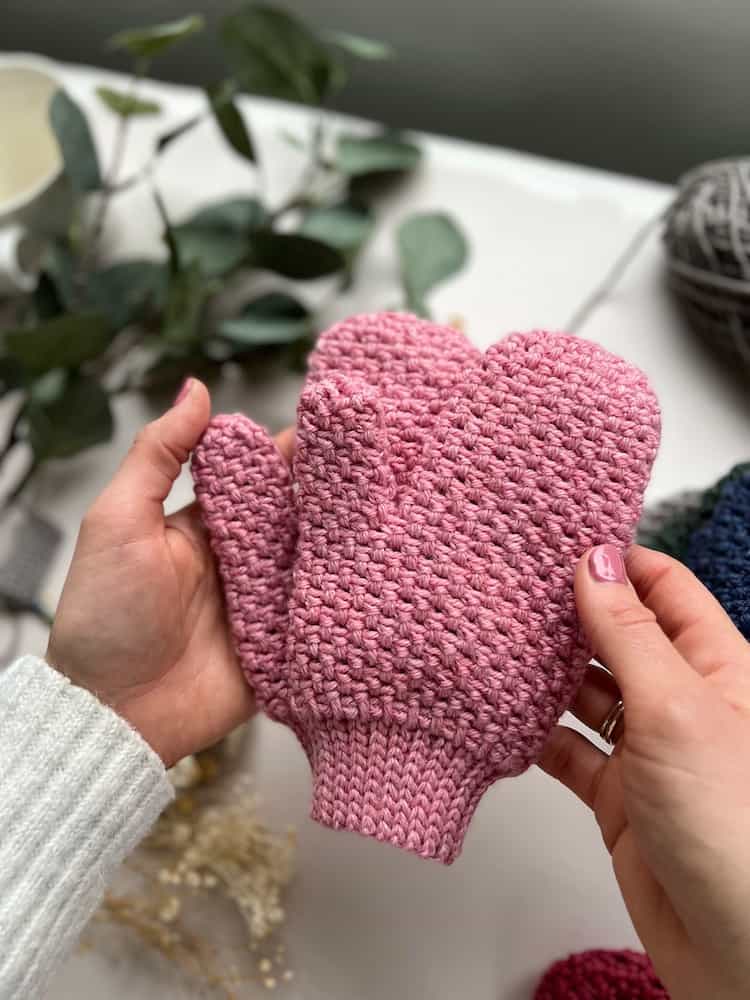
{"x": 409, "y": 789}
{"x": 78, "y": 789}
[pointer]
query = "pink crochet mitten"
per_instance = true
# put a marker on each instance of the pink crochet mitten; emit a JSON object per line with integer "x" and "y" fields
{"x": 433, "y": 638}
{"x": 243, "y": 485}
{"x": 244, "y": 491}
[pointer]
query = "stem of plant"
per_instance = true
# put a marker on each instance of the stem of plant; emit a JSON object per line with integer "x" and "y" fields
{"x": 301, "y": 197}
{"x": 92, "y": 241}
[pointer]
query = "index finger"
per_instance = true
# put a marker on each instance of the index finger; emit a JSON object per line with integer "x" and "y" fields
{"x": 624, "y": 632}
{"x": 687, "y": 612}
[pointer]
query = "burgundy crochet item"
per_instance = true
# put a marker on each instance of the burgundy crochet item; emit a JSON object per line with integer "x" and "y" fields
{"x": 602, "y": 975}
{"x": 442, "y": 498}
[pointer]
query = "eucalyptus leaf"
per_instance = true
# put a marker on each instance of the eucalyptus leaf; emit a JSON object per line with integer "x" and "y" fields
{"x": 295, "y": 256}
{"x": 167, "y": 232}
{"x": 275, "y": 318}
{"x": 360, "y": 46}
{"x": 215, "y": 251}
{"x": 218, "y": 237}
{"x": 124, "y": 291}
{"x": 76, "y": 417}
{"x": 229, "y": 119}
{"x": 356, "y": 155}
{"x": 240, "y": 214}
{"x": 64, "y": 342}
{"x": 76, "y": 145}
{"x": 431, "y": 249}
{"x": 187, "y": 295}
{"x": 48, "y": 388}
{"x": 126, "y": 105}
{"x": 275, "y": 54}
{"x": 169, "y": 137}
{"x": 59, "y": 264}
{"x": 144, "y": 43}
{"x": 345, "y": 226}
{"x": 46, "y": 299}
{"x": 11, "y": 375}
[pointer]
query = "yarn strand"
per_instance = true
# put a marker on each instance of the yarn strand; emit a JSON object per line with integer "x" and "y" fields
{"x": 583, "y": 313}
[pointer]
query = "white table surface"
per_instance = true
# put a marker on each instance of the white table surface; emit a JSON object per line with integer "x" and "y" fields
{"x": 368, "y": 922}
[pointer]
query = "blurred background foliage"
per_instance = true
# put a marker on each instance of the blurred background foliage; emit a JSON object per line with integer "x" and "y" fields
{"x": 649, "y": 87}
{"x": 88, "y": 333}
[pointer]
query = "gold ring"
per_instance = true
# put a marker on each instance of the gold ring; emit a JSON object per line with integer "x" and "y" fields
{"x": 610, "y": 724}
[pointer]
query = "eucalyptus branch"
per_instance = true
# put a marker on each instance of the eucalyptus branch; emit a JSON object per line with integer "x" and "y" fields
{"x": 301, "y": 197}
{"x": 229, "y": 90}
{"x": 87, "y": 318}
{"x": 143, "y": 172}
{"x": 92, "y": 240}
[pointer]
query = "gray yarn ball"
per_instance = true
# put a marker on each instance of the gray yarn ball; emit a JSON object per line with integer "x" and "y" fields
{"x": 707, "y": 239}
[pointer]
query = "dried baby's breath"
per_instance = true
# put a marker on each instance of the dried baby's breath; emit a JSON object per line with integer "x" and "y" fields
{"x": 209, "y": 843}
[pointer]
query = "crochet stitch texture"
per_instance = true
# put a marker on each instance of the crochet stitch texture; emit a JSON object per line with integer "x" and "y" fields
{"x": 407, "y": 605}
{"x": 719, "y": 551}
{"x": 602, "y": 975}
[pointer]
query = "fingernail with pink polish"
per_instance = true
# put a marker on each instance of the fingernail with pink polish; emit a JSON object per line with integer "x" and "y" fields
{"x": 606, "y": 565}
{"x": 184, "y": 390}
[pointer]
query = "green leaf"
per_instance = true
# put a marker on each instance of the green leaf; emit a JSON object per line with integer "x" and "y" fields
{"x": 275, "y": 318}
{"x": 357, "y": 155}
{"x": 215, "y": 251}
{"x": 46, "y": 299}
{"x": 124, "y": 291}
{"x": 59, "y": 265}
{"x": 76, "y": 145}
{"x": 143, "y": 43}
{"x": 167, "y": 232}
{"x": 48, "y": 388}
{"x": 64, "y": 342}
{"x": 11, "y": 375}
{"x": 431, "y": 248}
{"x": 275, "y": 54}
{"x": 126, "y": 105}
{"x": 187, "y": 295}
{"x": 359, "y": 46}
{"x": 294, "y": 255}
{"x": 345, "y": 226}
{"x": 230, "y": 121}
{"x": 63, "y": 422}
{"x": 169, "y": 137}
{"x": 237, "y": 214}
{"x": 218, "y": 237}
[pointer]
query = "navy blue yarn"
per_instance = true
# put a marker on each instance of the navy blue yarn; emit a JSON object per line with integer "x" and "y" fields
{"x": 719, "y": 552}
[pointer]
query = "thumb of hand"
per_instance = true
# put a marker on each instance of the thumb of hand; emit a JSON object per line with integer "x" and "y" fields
{"x": 159, "y": 451}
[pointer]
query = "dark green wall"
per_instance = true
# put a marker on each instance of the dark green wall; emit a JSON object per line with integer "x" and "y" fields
{"x": 641, "y": 86}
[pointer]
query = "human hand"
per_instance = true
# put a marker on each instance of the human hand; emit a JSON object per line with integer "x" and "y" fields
{"x": 673, "y": 799}
{"x": 141, "y": 621}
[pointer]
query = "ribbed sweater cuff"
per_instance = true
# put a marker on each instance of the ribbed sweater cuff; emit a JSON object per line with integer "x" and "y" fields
{"x": 407, "y": 788}
{"x": 78, "y": 789}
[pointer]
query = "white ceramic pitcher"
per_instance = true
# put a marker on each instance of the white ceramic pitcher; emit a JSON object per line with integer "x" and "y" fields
{"x": 35, "y": 196}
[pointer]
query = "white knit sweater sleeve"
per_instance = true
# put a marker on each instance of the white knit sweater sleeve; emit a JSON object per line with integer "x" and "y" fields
{"x": 78, "y": 789}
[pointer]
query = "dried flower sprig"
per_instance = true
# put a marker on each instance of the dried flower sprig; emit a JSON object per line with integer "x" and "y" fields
{"x": 210, "y": 842}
